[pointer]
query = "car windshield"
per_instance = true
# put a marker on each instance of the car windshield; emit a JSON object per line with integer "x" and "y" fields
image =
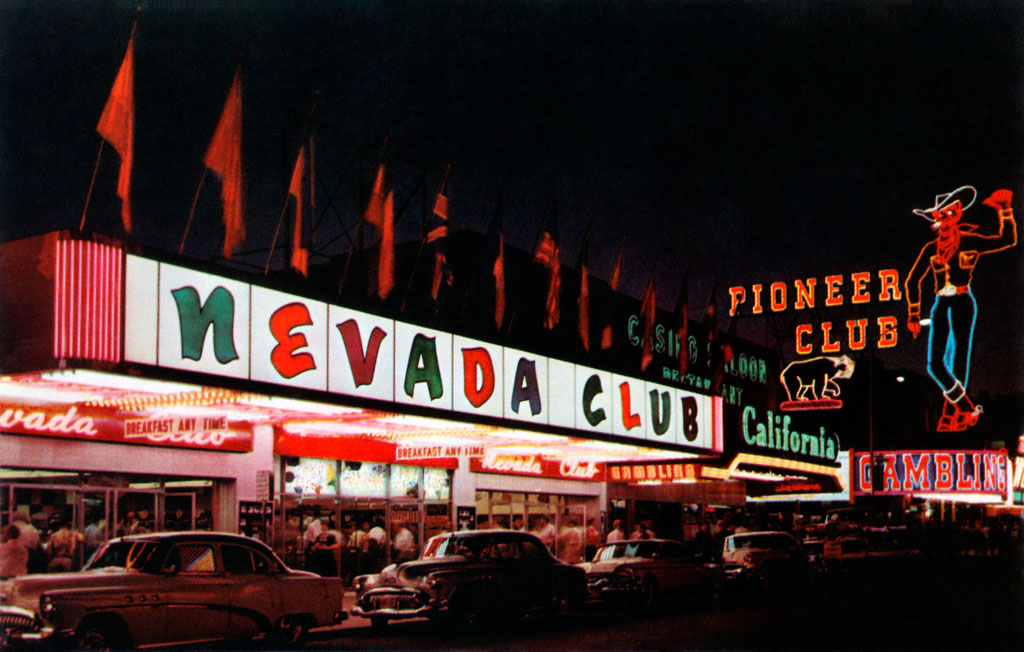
{"x": 626, "y": 549}
{"x": 473, "y": 547}
{"x": 761, "y": 541}
{"x": 127, "y": 555}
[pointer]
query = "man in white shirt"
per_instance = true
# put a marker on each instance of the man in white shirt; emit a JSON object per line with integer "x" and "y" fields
{"x": 616, "y": 534}
{"x": 403, "y": 544}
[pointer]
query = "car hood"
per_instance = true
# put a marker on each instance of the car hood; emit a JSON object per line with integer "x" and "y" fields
{"x": 421, "y": 567}
{"x": 24, "y": 591}
{"x": 609, "y": 565}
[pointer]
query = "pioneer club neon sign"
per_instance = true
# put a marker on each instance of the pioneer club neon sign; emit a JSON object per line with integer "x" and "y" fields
{"x": 215, "y": 325}
{"x": 832, "y": 292}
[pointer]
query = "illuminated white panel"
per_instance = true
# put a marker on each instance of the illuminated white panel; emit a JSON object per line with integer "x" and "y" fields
{"x": 595, "y": 414}
{"x": 694, "y": 427}
{"x": 213, "y": 339}
{"x": 289, "y": 340}
{"x": 485, "y": 365}
{"x": 561, "y": 393}
{"x": 140, "y": 316}
{"x": 423, "y": 374}
{"x": 668, "y": 415}
{"x": 628, "y": 409}
{"x": 361, "y": 347}
{"x": 531, "y": 372}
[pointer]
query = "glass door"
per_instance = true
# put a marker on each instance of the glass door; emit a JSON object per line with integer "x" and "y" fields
{"x": 94, "y": 511}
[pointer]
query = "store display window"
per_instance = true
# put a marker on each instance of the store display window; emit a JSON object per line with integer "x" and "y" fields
{"x": 307, "y": 475}
{"x": 405, "y": 481}
{"x": 364, "y": 479}
{"x": 437, "y": 484}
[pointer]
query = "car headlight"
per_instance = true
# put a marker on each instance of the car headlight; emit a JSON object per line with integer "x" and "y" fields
{"x": 46, "y": 606}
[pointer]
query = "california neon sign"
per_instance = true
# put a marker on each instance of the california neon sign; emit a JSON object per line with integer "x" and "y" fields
{"x": 215, "y": 325}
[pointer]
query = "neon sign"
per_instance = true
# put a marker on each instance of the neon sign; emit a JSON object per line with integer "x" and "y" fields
{"x": 811, "y": 384}
{"x": 905, "y": 472}
{"x": 571, "y": 468}
{"x": 775, "y": 433}
{"x": 215, "y": 325}
{"x": 42, "y": 422}
{"x": 805, "y": 296}
{"x": 951, "y": 258}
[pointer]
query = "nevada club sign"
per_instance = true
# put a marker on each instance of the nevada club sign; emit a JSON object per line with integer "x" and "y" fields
{"x": 215, "y": 325}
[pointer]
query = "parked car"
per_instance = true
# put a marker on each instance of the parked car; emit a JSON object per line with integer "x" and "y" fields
{"x": 467, "y": 575}
{"x": 643, "y": 570}
{"x": 763, "y": 558}
{"x": 170, "y": 589}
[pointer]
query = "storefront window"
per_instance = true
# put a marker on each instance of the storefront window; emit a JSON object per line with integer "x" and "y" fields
{"x": 437, "y": 484}
{"x": 405, "y": 481}
{"x": 307, "y": 475}
{"x": 364, "y": 479}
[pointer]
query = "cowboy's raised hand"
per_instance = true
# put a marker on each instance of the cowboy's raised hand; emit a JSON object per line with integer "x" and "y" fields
{"x": 1000, "y": 199}
{"x": 914, "y": 326}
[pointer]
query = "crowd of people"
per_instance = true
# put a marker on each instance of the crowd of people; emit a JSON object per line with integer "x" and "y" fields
{"x": 42, "y": 544}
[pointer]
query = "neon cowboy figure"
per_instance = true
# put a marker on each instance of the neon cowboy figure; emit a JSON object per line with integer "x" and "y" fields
{"x": 951, "y": 258}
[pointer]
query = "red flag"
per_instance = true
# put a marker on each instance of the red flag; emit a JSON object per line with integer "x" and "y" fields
{"x": 496, "y": 252}
{"x": 606, "y": 333}
{"x": 300, "y": 256}
{"x": 647, "y": 313}
{"x": 584, "y": 300}
{"x": 682, "y": 315}
{"x": 224, "y": 158}
{"x": 547, "y": 254}
{"x": 441, "y": 206}
{"x": 386, "y": 260}
{"x": 438, "y": 234}
{"x": 499, "y": 283}
{"x": 117, "y": 127}
{"x": 375, "y": 207}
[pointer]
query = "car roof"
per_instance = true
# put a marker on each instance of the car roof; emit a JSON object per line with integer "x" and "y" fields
{"x": 195, "y": 535}
{"x": 628, "y": 541}
{"x": 741, "y": 535}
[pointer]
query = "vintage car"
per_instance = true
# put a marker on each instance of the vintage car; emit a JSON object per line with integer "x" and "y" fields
{"x": 170, "y": 589}
{"x": 642, "y": 570}
{"x": 761, "y": 559}
{"x": 464, "y": 576}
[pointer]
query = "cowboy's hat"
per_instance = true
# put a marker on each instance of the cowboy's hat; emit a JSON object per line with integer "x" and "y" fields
{"x": 941, "y": 201}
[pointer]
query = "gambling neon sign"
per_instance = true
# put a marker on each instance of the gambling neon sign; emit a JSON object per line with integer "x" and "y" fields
{"x": 953, "y": 472}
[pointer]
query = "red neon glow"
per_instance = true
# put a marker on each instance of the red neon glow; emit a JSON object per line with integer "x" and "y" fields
{"x": 88, "y": 288}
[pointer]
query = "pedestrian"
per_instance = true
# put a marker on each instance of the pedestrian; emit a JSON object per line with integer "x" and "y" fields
{"x": 13, "y": 555}
{"x": 616, "y": 534}
{"x": 62, "y": 546}
{"x": 544, "y": 530}
{"x": 639, "y": 531}
{"x": 593, "y": 539}
{"x": 403, "y": 544}
{"x": 323, "y": 558}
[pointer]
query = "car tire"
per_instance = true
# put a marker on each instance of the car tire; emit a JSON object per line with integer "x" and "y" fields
{"x": 648, "y": 591}
{"x": 96, "y": 637}
{"x": 291, "y": 633}
{"x": 560, "y": 602}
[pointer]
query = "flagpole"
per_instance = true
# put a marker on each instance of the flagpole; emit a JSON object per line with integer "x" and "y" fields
{"x": 419, "y": 251}
{"x": 273, "y": 243}
{"x": 88, "y": 196}
{"x": 192, "y": 212}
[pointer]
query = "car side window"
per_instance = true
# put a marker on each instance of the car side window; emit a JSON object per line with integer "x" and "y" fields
{"x": 192, "y": 558}
{"x": 533, "y": 551}
{"x": 237, "y": 559}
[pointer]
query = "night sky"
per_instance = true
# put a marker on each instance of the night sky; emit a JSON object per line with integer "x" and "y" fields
{"x": 744, "y": 142}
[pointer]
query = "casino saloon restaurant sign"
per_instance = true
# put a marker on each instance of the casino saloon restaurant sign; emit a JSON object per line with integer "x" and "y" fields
{"x": 215, "y": 325}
